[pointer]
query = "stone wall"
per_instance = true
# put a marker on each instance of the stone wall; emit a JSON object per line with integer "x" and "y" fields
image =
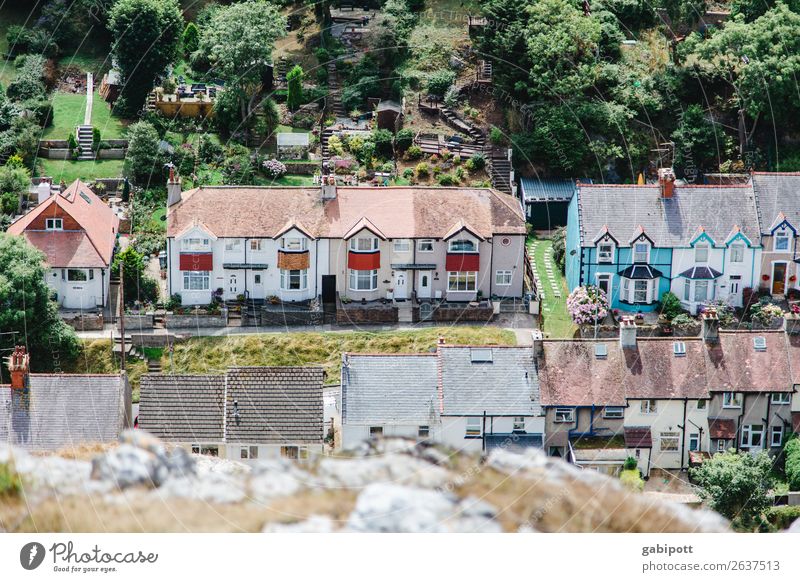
{"x": 307, "y": 168}
{"x": 136, "y": 322}
{"x": 174, "y": 321}
{"x": 278, "y": 315}
{"x": 84, "y": 321}
{"x": 453, "y": 313}
{"x": 371, "y": 313}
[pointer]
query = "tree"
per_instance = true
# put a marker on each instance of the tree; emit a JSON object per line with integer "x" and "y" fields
{"x": 238, "y": 41}
{"x": 294, "y": 83}
{"x": 791, "y": 453}
{"x": 147, "y": 34}
{"x": 138, "y": 286}
{"x": 142, "y": 160}
{"x": 736, "y": 484}
{"x": 191, "y": 39}
{"x": 698, "y": 145}
{"x": 14, "y": 181}
{"x": 440, "y": 81}
{"x": 26, "y": 307}
{"x": 683, "y": 13}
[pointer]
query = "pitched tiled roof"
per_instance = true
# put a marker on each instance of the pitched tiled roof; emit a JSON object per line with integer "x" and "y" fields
{"x": 777, "y": 193}
{"x": 721, "y": 428}
{"x": 182, "y": 408}
{"x": 572, "y": 375}
{"x": 734, "y": 365}
{"x": 97, "y": 220}
{"x": 638, "y": 437}
{"x": 398, "y": 212}
{"x": 390, "y": 389}
{"x": 668, "y": 222}
{"x": 654, "y": 371}
{"x": 66, "y": 249}
{"x": 63, "y": 410}
{"x": 245, "y": 405}
{"x": 506, "y": 385}
{"x": 275, "y": 404}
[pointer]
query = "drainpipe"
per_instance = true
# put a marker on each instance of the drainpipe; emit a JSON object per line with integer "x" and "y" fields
{"x": 169, "y": 269}
{"x": 491, "y": 267}
{"x": 483, "y": 433}
{"x": 246, "y": 295}
{"x": 683, "y": 431}
{"x": 316, "y": 268}
{"x": 739, "y": 424}
{"x": 103, "y": 287}
{"x": 766, "y": 422}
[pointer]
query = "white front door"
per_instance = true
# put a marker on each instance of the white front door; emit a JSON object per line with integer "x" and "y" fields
{"x": 735, "y": 291}
{"x": 400, "y": 285}
{"x": 424, "y": 287}
{"x": 233, "y": 285}
{"x": 258, "y": 286}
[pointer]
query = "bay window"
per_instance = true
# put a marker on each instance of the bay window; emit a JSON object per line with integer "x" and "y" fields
{"x": 462, "y": 281}
{"x": 700, "y": 291}
{"x": 363, "y": 280}
{"x": 195, "y": 280}
{"x": 640, "y": 291}
{"x": 364, "y": 244}
{"x": 294, "y": 280}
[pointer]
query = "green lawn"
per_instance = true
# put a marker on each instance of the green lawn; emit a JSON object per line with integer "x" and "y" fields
{"x": 556, "y": 322}
{"x": 110, "y": 126}
{"x": 158, "y": 219}
{"x": 69, "y": 170}
{"x": 69, "y": 110}
{"x": 287, "y": 180}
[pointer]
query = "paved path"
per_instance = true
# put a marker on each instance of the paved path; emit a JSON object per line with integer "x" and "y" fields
{"x": 87, "y": 117}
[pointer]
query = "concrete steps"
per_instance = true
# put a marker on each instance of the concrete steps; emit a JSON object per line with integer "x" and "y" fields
{"x": 85, "y": 137}
{"x": 404, "y": 313}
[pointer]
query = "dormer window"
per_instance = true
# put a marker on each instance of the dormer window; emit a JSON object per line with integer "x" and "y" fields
{"x": 54, "y": 224}
{"x": 461, "y": 246}
{"x": 737, "y": 253}
{"x": 641, "y": 252}
{"x": 701, "y": 253}
{"x": 294, "y": 244}
{"x": 605, "y": 252}
{"x": 364, "y": 244}
{"x": 781, "y": 241}
{"x": 194, "y": 244}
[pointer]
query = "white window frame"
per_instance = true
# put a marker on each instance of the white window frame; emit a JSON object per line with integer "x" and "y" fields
{"x": 195, "y": 277}
{"x": 702, "y": 250}
{"x": 687, "y": 289}
{"x": 195, "y": 244}
{"x": 54, "y": 224}
{"x": 600, "y": 277}
{"x": 287, "y": 275}
{"x": 357, "y": 278}
{"x": 462, "y": 281}
{"x": 401, "y": 245}
{"x": 649, "y": 406}
{"x": 451, "y": 246}
{"x": 694, "y": 437}
{"x": 294, "y": 243}
{"x": 773, "y": 431}
{"x": 233, "y": 245}
{"x": 782, "y": 236}
{"x": 82, "y": 279}
{"x": 748, "y": 433}
{"x": 626, "y": 288}
{"x": 721, "y": 445}
{"x": 605, "y": 256}
{"x": 613, "y": 412}
{"x": 375, "y": 431}
{"x": 363, "y": 244}
{"x": 425, "y": 245}
{"x": 564, "y": 415}
{"x": 731, "y": 400}
{"x": 424, "y": 431}
{"x": 635, "y": 252}
{"x": 701, "y": 285}
{"x": 518, "y": 424}
{"x": 503, "y": 278}
{"x": 781, "y": 398}
{"x": 737, "y": 253}
{"x": 637, "y": 292}
{"x": 255, "y": 244}
{"x": 669, "y": 437}
{"x": 473, "y": 426}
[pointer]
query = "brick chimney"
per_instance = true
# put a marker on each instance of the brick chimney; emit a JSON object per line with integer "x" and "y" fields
{"x": 328, "y": 187}
{"x": 538, "y": 343}
{"x": 710, "y": 326}
{"x": 627, "y": 332}
{"x": 666, "y": 180}
{"x": 173, "y": 187}
{"x": 18, "y": 363}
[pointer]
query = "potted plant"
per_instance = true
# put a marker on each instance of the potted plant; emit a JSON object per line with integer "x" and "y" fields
{"x": 274, "y": 299}
{"x": 390, "y": 293}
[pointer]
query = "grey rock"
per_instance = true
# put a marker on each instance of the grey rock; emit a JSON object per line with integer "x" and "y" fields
{"x": 314, "y": 524}
{"x": 277, "y": 478}
{"x": 394, "y": 468}
{"x": 128, "y": 466}
{"x": 181, "y": 464}
{"x": 508, "y": 462}
{"x": 385, "y": 507}
{"x": 211, "y": 488}
{"x": 206, "y": 464}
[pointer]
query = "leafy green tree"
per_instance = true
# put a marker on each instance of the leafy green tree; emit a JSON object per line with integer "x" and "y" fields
{"x": 683, "y": 13}
{"x": 143, "y": 161}
{"x": 791, "y": 453}
{"x": 736, "y": 485}
{"x": 238, "y": 41}
{"x": 698, "y": 144}
{"x": 138, "y": 286}
{"x": 294, "y": 86}
{"x": 191, "y": 39}
{"x": 440, "y": 81}
{"x": 146, "y": 36}
{"x": 14, "y": 181}
{"x": 26, "y": 307}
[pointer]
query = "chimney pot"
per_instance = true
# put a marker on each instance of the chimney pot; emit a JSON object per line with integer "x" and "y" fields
{"x": 18, "y": 364}
{"x": 710, "y": 325}
{"x": 666, "y": 180}
{"x": 173, "y": 188}
{"x": 627, "y": 332}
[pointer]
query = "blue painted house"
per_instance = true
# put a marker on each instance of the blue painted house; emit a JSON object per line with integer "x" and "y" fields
{"x": 638, "y": 242}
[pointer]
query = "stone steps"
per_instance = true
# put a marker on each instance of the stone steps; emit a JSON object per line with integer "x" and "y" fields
{"x": 85, "y": 137}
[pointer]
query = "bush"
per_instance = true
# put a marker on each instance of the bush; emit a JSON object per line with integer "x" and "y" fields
{"x": 173, "y": 302}
{"x": 41, "y": 110}
{"x": 208, "y": 149}
{"x": 28, "y": 81}
{"x": 670, "y": 305}
{"x": 478, "y": 162}
{"x": 383, "y": 142}
{"x": 335, "y": 145}
{"x": 408, "y": 173}
{"x": 414, "y": 152}
{"x": 496, "y": 136}
{"x": 560, "y": 247}
{"x": 791, "y": 452}
{"x": 294, "y": 94}
{"x": 422, "y": 170}
{"x": 781, "y": 517}
{"x": 10, "y": 481}
{"x": 96, "y": 138}
{"x": 72, "y": 141}
{"x": 587, "y": 304}
{"x": 191, "y": 39}
{"x": 404, "y": 139}
{"x": 274, "y": 168}
{"x": 631, "y": 479}
{"x": 631, "y": 463}
{"x": 447, "y": 180}
{"x": 440, "y": 81}
{"x": 765, "y": 312}
{"x": 142, "y": 160}
{"x": 683, "y": 320}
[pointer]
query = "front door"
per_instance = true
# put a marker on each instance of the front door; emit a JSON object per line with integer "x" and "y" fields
{"x": 329, "y": 288}
{"x": 233, "y": 285}
{"x": 424, "y": 287}
{"x": 735, "y": 293}
{"x": 400, "y": 285}
{"x": 258, "y": 285}
{"x": 778, "y": 278}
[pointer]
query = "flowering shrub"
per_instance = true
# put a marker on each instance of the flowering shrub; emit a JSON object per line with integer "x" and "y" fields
{"x": 274, "y": 168}
{"x": 587, "y": 304}
{"x": 725, "y": 312}
{"x": 795, "y": 308}
{"x": 765, "y": 313}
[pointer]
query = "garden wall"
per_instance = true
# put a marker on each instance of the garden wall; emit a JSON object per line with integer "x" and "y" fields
{"x": 137, "y": 322}
{"x": 84, "y": 321}
{"x": 282, "y": 315}
{"x": 453, "y": 313}
{"x": 305, "y": 168}
{"x": 174, "y": 321}
{"x": 370, "y": 313}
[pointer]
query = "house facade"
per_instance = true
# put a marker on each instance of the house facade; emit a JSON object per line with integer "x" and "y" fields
{"x": 297, "y": 244}
{"x": 77, "y": 232}
{"x": 470, "y": 398}
{"x": 638, "y": 242}
{"x": 246, "y": 414}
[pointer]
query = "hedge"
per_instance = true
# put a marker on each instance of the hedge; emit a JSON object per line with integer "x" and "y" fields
{"x": 792, "y": 455}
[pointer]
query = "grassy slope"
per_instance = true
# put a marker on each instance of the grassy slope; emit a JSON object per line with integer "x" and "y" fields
{"x": 556, "y": 320}
{"x": 68, "y": 112}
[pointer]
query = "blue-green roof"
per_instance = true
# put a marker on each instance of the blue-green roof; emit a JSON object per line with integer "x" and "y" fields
{"x": 547, "y": 190}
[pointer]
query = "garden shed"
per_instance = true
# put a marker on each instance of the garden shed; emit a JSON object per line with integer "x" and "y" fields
{"x": 389, "y": 115}
{"x": 292, "y": 146}
{"x": 546, "y": 201}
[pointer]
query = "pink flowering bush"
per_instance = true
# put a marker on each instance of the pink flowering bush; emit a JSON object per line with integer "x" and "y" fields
{"x": 587, "y": 304}
{"x": 274, "y": 168}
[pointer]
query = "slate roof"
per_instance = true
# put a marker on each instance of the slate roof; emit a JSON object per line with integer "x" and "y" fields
{"x": 571, "y": 375}
{"x": 701, "y": 273}
{"x": 734, "y": 365}
{"x": 654, "y": 371}
{"x": 397, "y": 212}
{"x": 390, "y": 389}
{"x": 776, "y": 193}
{"x": 668, "y": 222}
{"x": 99, "y": 223}
{"x": 640, "y": 272}
{"x": 547, "y": 190}
{"x": 508, "y": 385}
{"x": 274, "y": 404}
{"x": 721, "y": 428}
{"x": 64, "y": 410}
{"x": 182, "y": 407}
